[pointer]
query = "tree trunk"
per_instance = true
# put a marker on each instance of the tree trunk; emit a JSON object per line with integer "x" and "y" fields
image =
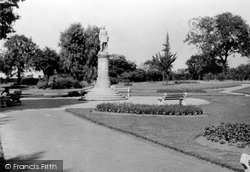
{"x": 163, "y": 78}
{"x": 18, "y": 76}
{"x": 224, "y": 68}
{"x": 224, "y": 64}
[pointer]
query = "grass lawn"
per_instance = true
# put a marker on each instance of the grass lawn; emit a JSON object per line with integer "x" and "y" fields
{"x": 171, "y": 85}
{"x": 179, "y": 133}
{"x": 244, "y": 90}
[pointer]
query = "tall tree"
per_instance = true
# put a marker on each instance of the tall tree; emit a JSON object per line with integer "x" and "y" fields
{"x": 221, "y": 36}
{"x": 19, "y": 50}
{"x": 200, "y": 64}
{"x": 120, "y": 67}
{"x": 79, "y": 48}
{"x": 7, "y": 16}
{"x": 46, "y": 60}
{"x": 163, "y": 63}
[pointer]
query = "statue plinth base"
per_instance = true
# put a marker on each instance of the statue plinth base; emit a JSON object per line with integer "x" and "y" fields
{"x": 102, "y": 90}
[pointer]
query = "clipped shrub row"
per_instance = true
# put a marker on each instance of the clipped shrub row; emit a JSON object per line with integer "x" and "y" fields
{"x": 181, "y": 90}
{"x": 149, "y": 109}
{"x": 235, "y": 134}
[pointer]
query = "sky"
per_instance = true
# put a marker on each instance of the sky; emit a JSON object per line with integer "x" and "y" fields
{"x": 137, "y": 28}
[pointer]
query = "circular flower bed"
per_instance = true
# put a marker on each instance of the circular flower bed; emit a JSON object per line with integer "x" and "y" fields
{"x": 149, "y": 109}
{"x": 234, "y": 134}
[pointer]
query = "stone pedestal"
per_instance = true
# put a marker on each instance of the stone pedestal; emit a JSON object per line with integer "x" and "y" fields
{"x": 102, "y": 90}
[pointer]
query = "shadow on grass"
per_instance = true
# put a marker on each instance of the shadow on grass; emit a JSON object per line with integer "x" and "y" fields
{"x": 31, "y": 159}
{"x": 42, "y": 104}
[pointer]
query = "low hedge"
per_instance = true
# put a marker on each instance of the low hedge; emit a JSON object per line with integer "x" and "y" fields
{"x": 149, "y": 109}
{"x": 234, "y": 134}
{"x": 181, "y": 90}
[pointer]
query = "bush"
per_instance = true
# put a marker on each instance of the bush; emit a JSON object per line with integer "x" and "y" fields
{"x": 221, "y": 77}
{"x": 149, "y": 109}
{"x": 64, "y": 83}
{"x": 30, "y": 81}
{"x": 114, "y": 80}
{"x": 42, "y": 84}
{"x": 233, "y": 133}
{"x": 84, "y": 84}
{"x": 208, "y": 76}
{"x": 181, "y": 90}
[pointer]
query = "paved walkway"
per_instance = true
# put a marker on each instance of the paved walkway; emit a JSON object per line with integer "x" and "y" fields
{"x": 50, "y": 134}
{"x": 231, "y": 89}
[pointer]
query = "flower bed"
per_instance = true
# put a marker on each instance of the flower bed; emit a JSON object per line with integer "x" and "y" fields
{"x": 234, "y": 134}
{"x": 181, "y": 90}
{"x": 149, "y": 109}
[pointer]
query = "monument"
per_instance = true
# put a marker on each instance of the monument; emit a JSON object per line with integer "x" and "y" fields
{"x": 102, "y": 90}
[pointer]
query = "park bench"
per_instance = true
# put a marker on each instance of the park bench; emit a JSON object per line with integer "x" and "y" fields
{"x": 245, "y": 161}
{"x": 179, "y": 96}
{"x": 3, "y": 101}
{"x": 122, "y": 90}
{"x": 15, "y": 97}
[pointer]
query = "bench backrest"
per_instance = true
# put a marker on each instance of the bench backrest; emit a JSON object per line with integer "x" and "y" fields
{"x": 245, "y": 161}
{"x": 178, "y": 95}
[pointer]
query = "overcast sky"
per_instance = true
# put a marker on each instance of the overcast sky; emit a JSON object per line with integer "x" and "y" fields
{"x": 137, "y": 28}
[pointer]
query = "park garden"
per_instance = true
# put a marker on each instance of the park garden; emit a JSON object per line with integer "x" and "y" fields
{"x": 217, "y": 131}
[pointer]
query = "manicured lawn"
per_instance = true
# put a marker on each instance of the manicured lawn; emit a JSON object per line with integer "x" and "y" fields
{"x": 244, "y": 90}
{"x": 171, "y": 85}
{"x": 150, "y": 88}
{"x": 179, "y": 133}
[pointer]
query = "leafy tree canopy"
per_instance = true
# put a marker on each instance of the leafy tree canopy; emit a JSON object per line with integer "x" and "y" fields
{"x": 19, "y": 51}
{"x": 221, "y": 36}
{"x": 79, "y": 48}
{"x": 46, "y": 60}
{"x": 198, "y": 65}
{"x": 7, "y": 17}
{"x": 163, "y": 63}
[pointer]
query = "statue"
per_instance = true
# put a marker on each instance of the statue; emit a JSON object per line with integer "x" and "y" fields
{"x": 104, "y": 38}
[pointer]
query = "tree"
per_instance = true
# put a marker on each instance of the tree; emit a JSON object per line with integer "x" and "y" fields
{"x": 79, "y": 48}
{"x": 46, "y": 60}
{"x": 119, "y": 67}
{"x": 200, "y": 64}
{"x": 7, "y": 16}
{"x": 221, "y": 36}
{"x": 163, "y": 63}
{"x": 19, "y": 51}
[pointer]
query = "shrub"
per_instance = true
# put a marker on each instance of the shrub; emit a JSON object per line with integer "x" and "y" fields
{"x": 181, "y": 90}
{"x": 30, "y": 81}
{"x": 83, "y": 83}
{"x": 221, "y": 77}
{"x": 114, "y": 80}
{"x": 64, "y": 83}
{"x": 208, "y": 76}
{"x": 149, "y": 109}
{"x": 42, "y": 84}
{"x": 232, "y": 133}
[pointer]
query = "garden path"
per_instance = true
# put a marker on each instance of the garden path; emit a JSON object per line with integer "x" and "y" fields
{"x": 230, "y": 90}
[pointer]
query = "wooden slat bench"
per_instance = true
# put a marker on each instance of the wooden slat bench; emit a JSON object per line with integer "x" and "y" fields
{"x": 123, "y": 90}
{"x": 179, "y": 96}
